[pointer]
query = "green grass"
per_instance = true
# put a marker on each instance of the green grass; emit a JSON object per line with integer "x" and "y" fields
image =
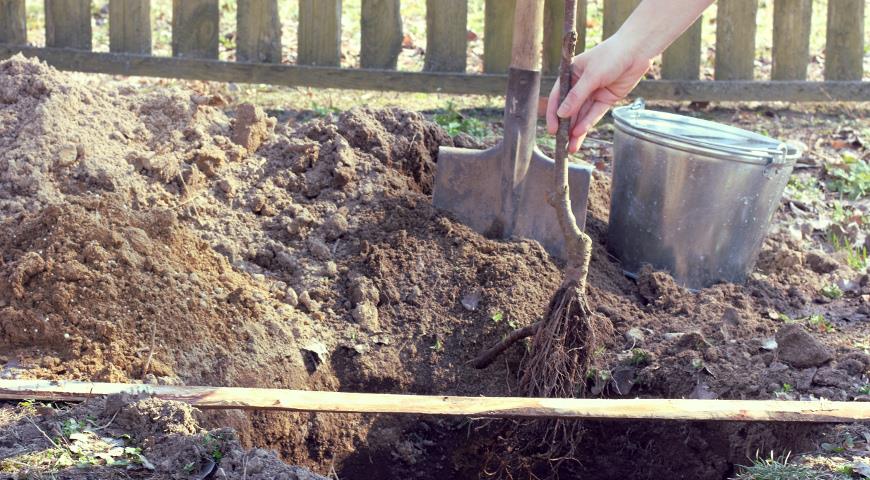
{"x": 455, "y": 123}
{"x": 831, "y": 291}
{"x": 856, "y": 257}
{"x": 851, "y": 178}
{"x": 819, "y": 323}
{"x": 774, "y": 468}
{"x": 639, "y": 357}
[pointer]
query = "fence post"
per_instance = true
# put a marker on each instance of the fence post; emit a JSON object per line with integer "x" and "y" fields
{"x": 195, "y": 28}
{"x": 791, "y": 39}
{"x": 13, "y": 22}
{"x": 380, "y": 34}
{"x": 615, "y": 13}
{"x": 258, "y": 31}
{"x": 498, "y": 34}
{"x": 68, "y": 24}
{"x": 682, "y": 60}
{"x": 319, "y": 33}
{"x": 735, "y": 39}
{"x": 446, "y": 35}
{"x": 554, "y": 15}
{"x": 844, "y": 47}
{"x": 130, "y": 26}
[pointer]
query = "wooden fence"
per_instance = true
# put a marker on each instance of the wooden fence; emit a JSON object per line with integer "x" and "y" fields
{"x": 195, "y": 41}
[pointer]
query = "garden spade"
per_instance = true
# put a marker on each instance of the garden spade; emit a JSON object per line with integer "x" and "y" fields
{"x": 503, "y": 191}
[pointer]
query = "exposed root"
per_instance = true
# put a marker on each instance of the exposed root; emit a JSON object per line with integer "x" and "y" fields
{"x": 486, "y": 358}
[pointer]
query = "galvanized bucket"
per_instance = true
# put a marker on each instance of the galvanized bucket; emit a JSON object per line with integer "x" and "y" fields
{"x": 692, "y": 197}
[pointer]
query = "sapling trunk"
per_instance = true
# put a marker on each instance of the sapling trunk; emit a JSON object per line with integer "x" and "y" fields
{"x": 565, "y": 339}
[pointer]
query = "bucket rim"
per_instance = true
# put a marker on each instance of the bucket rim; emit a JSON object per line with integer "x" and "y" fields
{"x": 776, "y": 154}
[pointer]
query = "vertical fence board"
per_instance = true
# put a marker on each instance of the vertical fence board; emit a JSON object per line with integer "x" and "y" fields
{"x": 380, "y": 34}
{"x": 497, "y": 35}
{"x": 554, "y": 16}
{"x": 446, "y": 35}
{"x": 13, "y": 22}
{"x": 195, "y": 28}
{"x": 68, "y": 24}
{"x": 735, "y": 39}
{"x": 319, "y": 33}
{"x": 130, "y": 26}
{"x": 791, "y": 39}
{"x": 682, "y": 60}
{"x": 258, "y": 31}
{"x": 844, "y": 47}
{"x": 615, "y": 13}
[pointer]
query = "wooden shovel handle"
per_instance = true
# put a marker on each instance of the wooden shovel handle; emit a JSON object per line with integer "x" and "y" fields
{"x": 528, "y": 21}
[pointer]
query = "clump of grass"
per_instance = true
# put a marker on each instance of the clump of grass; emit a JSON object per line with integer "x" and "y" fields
{"x": 774, "y": 468}
{"x": 455, "y": 123}
{"x": 820, "y": 323}
{"x": 831, "y": 291}
{"x": 639, "y": 357}
{"x": 851, "y": 178}
{"x": 855, "y": 257}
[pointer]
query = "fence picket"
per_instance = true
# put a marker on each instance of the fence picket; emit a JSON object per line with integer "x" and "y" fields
{"x": 258, "y": 31}
{"x": 682, "y": 60}
{"x": 554, "y": 16}
{"x": 13, "y": 22}
{"x": 446, "y": 35}
{"x": 735, "y": 39}
{"x": 791, "y": 39}
{"x": 498, "y": 34}
{"x": 319, "y": 33}
{"x": 615, "y": 13}
{"x": 195, "y": 28}
{"x": 130, "y": 26}
{"x": 380, "y": 34}
{"x": 844, "y": 47}
{"x": 68, "y": 24}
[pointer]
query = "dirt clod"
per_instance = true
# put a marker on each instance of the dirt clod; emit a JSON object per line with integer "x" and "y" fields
{"x": 800, "y": 349}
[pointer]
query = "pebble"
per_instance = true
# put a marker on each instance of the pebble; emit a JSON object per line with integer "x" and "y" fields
{"x": 291, "y": 298}
{"x": 634, "y": 336}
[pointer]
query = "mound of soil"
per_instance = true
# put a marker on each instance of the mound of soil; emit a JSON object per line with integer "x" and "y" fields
{"x": 169, "y": 238}
{"x": 167, "y": 435}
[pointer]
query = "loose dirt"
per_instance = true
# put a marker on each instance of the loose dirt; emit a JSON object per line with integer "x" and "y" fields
{"x": 172, "y": 238}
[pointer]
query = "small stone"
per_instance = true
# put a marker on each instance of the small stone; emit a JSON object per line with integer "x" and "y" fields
{"x": 471, "y": 300}
{"x": 309, "y": 303}
{"x": 290, "y": 297}
{"x": 799, "y": 349}
{"x": 331, "y": 269}
{"x": 769, "y": 344}
{"x": 67, "y": 155}
{"x": 820, "y": 262}
{"x": 634, "y": 336}
{"x": 672, "y": 335}
{"x": 366, "y": 314}
{"x": 335, "y": 226}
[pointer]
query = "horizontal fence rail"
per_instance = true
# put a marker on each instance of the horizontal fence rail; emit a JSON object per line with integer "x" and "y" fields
{"x": 259, "y": 43}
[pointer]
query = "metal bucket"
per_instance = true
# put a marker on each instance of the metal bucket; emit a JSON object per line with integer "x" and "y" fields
{"x": 692, "y": 197}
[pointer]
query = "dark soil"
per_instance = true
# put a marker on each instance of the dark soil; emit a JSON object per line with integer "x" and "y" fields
{"x": 208, "y": 249}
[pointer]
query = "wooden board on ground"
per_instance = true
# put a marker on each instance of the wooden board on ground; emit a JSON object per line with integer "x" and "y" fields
{"x": 820, "y": 411}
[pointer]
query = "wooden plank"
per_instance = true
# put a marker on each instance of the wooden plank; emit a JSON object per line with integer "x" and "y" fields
{"x": 319, "y": 33}
{"x": 446, "y": 35}
{"x": 380, "y": 34}
{"x": 130, "y": 26}
{"x": 810, "y": 411}
{"x": 735, "y": 39}
{"x": 682, "y": 60}
{"x": 258, "y": 31}
{"x": 615, "y": 13}
{"x": 498, "y": 26}
{"x": 431, "y": 82}
{"x": 791, "y": 39}
{"x": 195, "y": 28}
{"x": 554, "y": 16}
{"x": 844, "y": 45}
{"x": 13, "y": 22}
{"x": 68, "y": 24}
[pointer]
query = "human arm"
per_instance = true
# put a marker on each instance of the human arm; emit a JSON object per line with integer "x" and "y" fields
{"x": 607, "y": 72}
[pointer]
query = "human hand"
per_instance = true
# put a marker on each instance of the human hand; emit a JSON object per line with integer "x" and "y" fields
{"x": 601, "y": 76}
